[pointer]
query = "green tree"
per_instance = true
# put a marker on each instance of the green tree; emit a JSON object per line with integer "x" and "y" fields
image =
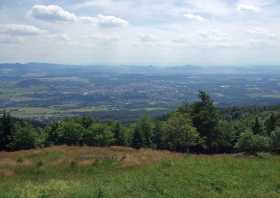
{"x": 257, "y": 127}
{"x": 179, "y": 133}
{"x": 226, "y": 137}
{"x": 275, "y": 140}
{"x": 205, "y": 119}
{"x": 99, "y": 134}
{"x": 250, "y": 143}
{"x": 24, "y": 137}
{"x": 70, "y": 132}
{"x": 144, "y": 128}
{"x": 6, "y": 130}
{"x": 157, "y": 137}
{"x": 119, "y": 134}
{"x": 85, "y": 121}
{"x": 137, "y": 139}
{"x": 52, "y": 135}
{"x": 270, "y": 123}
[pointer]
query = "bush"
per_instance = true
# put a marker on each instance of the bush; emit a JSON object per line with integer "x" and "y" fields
{"x": 251, "y": 144}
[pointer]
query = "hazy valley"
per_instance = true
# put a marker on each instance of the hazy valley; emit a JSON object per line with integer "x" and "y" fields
{"x": 48, "y": 91}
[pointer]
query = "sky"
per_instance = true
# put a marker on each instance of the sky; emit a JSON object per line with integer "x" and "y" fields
{"x": 141, "y": 32}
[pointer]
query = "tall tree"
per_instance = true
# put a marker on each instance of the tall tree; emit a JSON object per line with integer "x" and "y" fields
{"x": 205, "y": 118}
{"x": 6, "y": 131}
{"x": 137, "y": 139}
{"x": 270, "y": 123}
{"x": 119, "y": 135}
{"x": 257, "y": 127}
{"x": 145, "y": 128}
{"x": 157, "y": 137}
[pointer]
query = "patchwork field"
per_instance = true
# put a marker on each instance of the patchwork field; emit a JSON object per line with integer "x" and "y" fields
{"x": 47, "y": 91}
{"x": 125, "y": 172}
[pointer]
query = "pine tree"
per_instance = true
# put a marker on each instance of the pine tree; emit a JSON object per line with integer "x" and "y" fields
{"x": 257, "y": 127}
{"x": 119, "y": 134}
{"x": 157, "y": 138}
{"x": 137, "y": 139}
{"x": 205, "y": 119}
{"x": 6, "y": 130}
{"x": 270, "y": 123}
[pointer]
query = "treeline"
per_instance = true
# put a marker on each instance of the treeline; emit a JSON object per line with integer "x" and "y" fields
{"x": 200, "y": 127}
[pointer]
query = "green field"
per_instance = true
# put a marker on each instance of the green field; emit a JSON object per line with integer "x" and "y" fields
{"x": 37, "y": 112}
{"x": 124, "y": 172}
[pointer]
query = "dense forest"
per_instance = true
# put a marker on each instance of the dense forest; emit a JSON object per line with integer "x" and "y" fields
{"x": 200, "y": 127}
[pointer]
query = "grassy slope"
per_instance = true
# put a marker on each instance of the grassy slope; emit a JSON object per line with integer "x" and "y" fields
{"x": 123, "y": 172}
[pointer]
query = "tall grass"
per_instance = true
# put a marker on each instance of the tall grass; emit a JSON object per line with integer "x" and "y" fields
{"x": 189, "y": 176}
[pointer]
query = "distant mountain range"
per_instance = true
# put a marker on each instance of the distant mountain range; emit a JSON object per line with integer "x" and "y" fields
{"x": 142, "y": 69}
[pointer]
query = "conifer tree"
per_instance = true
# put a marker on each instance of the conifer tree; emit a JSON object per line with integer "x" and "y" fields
{"x": 270, "y": 123}
{"x": 257, "y": 127}
{"x": 6, "y": 130}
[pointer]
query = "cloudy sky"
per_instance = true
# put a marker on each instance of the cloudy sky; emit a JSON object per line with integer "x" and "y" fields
{"x": 135, "y": 32}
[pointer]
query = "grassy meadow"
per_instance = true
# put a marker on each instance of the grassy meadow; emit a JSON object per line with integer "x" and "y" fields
{"x": 124, "y": 172}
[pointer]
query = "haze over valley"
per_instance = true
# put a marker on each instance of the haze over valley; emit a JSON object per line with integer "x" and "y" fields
{"x": 47, "y": 91}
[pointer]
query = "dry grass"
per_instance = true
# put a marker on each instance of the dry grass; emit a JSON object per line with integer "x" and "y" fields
{"x": 85, "y": 156}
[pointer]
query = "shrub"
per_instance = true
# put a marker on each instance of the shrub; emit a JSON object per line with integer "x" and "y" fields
{"x": 250, "y": 143}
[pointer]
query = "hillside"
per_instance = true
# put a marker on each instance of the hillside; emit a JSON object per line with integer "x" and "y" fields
{"x": 124, "y": 172}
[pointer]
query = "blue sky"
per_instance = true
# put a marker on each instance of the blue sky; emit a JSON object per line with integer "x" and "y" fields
{"x": 135, "y": 32}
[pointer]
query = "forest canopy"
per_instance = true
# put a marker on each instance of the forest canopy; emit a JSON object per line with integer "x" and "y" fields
{"x": 200, "y": 127}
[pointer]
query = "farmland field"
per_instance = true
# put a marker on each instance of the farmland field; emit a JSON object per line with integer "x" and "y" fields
{"x": 48, "y": 91}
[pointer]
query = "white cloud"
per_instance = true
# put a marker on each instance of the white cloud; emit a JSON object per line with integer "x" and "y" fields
{"x": 213, "y": 7}
{"x": 55, "y": 13}
{"x": 248, "y": 8}
{"x": 59, "y": 37}
{"x": 110, "y": 21}
{"x": 180, "y": 40}
{"x": 52, "y": 13}
{"x": 257, "y": 31}
{"x": 147, "y": 38}
{"x": 86, "y": 19}
{"x": 194, "y": 17}
{"x": 5, "y": 39}
{"x": 178, "y": 31}
{"x": 19, "y": 30}
{"x": 102, "y": 38}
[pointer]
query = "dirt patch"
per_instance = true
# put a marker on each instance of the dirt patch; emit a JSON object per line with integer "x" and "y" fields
{"x": 147, "y": 156}
{"x": 86, "y": 162}
{"x": 7, "y": 173}
{"x": 7, "y": 162}
{"x": 27, "y": 163}
{"x": 59, "y": 162}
